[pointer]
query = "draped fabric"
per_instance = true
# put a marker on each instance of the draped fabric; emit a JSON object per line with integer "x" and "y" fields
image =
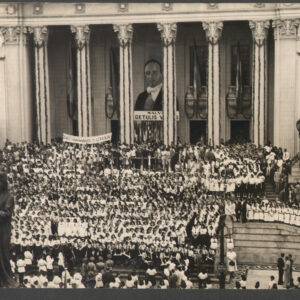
{"x": 6, "y": 209}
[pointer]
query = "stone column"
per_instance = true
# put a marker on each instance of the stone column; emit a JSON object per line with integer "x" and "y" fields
{"x": 125, "y": 33}
{"x": 297, "y": 108}
{"x": 285, "y": 102}
{"x": 168, "y": 35}
{"x": 40, "y": 34}
{"x": 259, "y": 32}
{"x": 3, "y": 99}
{"x": 15, "y": 85}
{"x": 84, "y": 103}
{"x": 213, "y": 32}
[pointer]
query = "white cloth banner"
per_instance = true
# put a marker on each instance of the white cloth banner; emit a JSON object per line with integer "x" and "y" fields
{"x": 151, "y": 115}
{"x": 67, "y": 138}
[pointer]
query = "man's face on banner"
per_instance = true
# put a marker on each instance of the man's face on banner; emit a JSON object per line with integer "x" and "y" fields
{"x": 153, "y": 74}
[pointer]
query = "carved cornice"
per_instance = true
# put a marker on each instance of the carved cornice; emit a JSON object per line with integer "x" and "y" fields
{"x": 285, "y": 28}
{"x": 40, "y": 35}
{"x": 82, "y": 35}
{"x": 11, "y": 34}
{"x": 125, "y": 33}
{"x": 168, "y": 32}
{"x": 213, "y": 31}
{"x": 259, "y": 31}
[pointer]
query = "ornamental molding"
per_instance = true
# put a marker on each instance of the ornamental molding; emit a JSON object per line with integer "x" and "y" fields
{"x": 212, "y": 5}
{"x": 40, "y": 35}
{"x": 168, "y": 32}
{"x": 285, "y": 28}
{"x": 259, "y": 31}
{"x": 37, "y": 9}
{"x": 11, "y": 9}
{"x": 123, "y": 7}
{"x": 11, "y": 34}
{"x": 125, "y": 33}
{"x": 259, "y": 5}
{"x": 167, "y": 6}
{"x": 213, "y": 31}
{"x": 79, "y": 8}
{"x": 82, "y": 35}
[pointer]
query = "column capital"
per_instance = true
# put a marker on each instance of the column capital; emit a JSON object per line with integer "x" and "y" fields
{"x": 11, "y": 34}
{"x": 259, "y": 31}
{"x": 168, "y": 32}
{"x": 213, "y": 31}
{"x": 82, "y": 35}
{"x": 125, "y": 33}
{"x": 285, "y": 28}
{"x": 40, "y": 35}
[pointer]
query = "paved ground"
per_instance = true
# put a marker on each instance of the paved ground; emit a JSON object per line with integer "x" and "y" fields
{"x": 263, "y": 276}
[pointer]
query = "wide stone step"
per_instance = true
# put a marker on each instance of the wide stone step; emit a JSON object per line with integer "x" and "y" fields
{"x": 268, "y": 225}
{"x": 267, "y": 244}
{"x": 266, "y": 237}
{"x": 263, "y": 231}
{"x": 257, "y": 256}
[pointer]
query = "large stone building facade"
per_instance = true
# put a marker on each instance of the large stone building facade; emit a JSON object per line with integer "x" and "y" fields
{"x": 59, "y": 60}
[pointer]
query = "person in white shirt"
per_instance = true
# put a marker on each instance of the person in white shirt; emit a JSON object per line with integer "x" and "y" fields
{"x": 286, "y": 155}
{"x": 21, "y": 269}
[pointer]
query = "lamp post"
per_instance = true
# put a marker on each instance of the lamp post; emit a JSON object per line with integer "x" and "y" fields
{"x": 221, "y": 267}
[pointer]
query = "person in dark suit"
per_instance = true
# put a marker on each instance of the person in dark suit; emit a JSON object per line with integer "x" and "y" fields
{"x": 244, "y": 211}
{"x": 152, "y": 98}
{"x": 238, "y": 210}
{"x": 280, "y": 266}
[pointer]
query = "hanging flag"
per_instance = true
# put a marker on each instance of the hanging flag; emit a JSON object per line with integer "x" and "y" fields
{"x": 196, "y": 72}
{"x": 113, "y": 79}
{"x": 238, "y": 80}
{"x": 71, "y": 85}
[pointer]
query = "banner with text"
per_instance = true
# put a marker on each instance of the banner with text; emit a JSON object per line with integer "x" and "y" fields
{"x": 67, "y": 138}
{"x": 151, "y": 116}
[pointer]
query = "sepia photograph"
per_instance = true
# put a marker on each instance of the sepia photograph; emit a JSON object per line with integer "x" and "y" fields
{"x": 149, "y": 146}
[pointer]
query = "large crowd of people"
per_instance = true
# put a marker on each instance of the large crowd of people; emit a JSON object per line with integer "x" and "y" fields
{"x": 90, "y": 207}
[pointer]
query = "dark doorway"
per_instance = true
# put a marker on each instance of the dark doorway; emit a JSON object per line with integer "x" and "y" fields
{"x": 240, "y": 131}
{"x": 115, "y": 131}
{"x": 197, "y": 132}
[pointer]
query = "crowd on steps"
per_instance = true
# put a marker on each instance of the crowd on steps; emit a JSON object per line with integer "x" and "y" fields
{"x": 82, "y": 209}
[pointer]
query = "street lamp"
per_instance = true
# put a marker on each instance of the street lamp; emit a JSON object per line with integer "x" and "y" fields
{"x": 221, "y": 268}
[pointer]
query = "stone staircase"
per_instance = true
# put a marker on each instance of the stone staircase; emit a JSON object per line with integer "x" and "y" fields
{"x": 294, "y": 177}
{"x": 270, "y": 193}
{"x": 258, "y": 243}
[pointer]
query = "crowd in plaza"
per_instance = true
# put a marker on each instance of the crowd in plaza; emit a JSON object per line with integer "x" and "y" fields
{"x": 81, "y": 209}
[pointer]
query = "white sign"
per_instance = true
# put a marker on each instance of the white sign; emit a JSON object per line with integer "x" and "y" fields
{"x": 67, "y": 138}
{"x": 151, "y": 115}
